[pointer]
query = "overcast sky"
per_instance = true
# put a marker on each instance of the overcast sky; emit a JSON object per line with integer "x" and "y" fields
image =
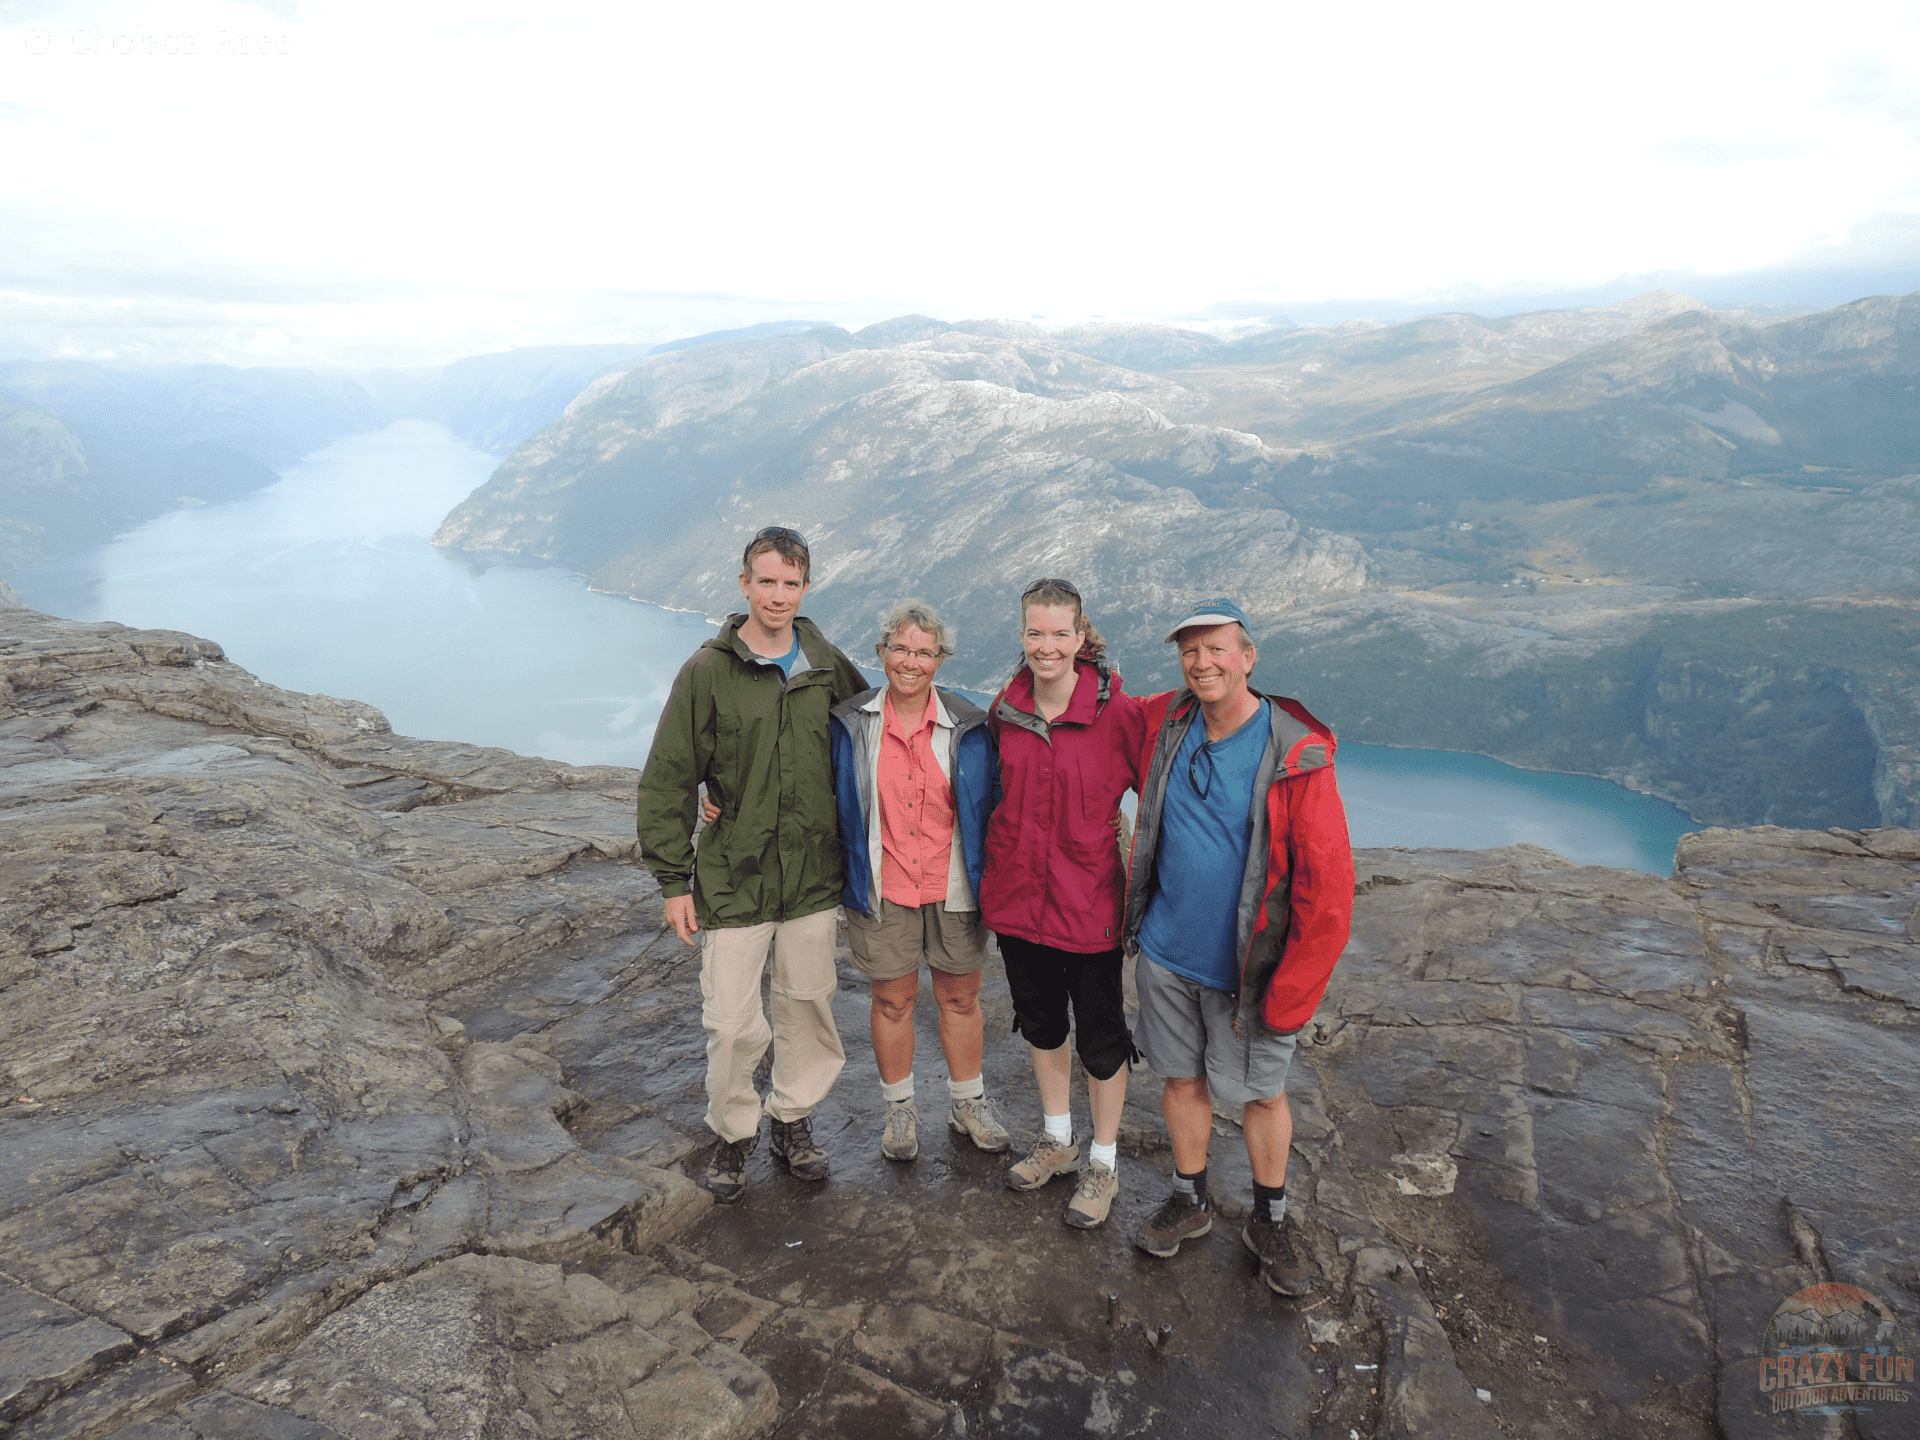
{"x": 376, "y": 184}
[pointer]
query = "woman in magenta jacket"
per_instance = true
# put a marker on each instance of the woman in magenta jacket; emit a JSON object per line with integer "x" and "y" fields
{"x": 1068, "y": 741}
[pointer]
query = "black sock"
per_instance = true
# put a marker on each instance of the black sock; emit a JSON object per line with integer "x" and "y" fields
{"x": 1269, "y": 1202}
{"x": 1196, "y": 1182}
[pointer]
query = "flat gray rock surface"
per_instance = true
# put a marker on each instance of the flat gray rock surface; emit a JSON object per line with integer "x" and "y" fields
{"x": 352, "y": 1089}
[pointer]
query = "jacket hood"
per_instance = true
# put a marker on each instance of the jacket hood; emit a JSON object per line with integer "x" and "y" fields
{"x": 1311, "y": 751}
{"x": 1087, "y": 699}
{"x": 813, "y": 642}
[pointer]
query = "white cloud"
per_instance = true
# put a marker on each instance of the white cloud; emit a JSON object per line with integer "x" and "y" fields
{"x": 338, "y": 180}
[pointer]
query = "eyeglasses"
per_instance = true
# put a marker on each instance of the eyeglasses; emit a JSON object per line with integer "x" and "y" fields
{"x": 1201, "y": 787}
{"x": 925, "y": 657}
{"x": 1046, "y": 583}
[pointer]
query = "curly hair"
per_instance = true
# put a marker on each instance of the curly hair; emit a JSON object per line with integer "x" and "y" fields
{"x": 919, "y": 615}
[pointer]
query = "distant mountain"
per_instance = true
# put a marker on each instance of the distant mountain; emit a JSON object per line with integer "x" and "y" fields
{"x": 149, "y": 436}
{"x": 44, "y": 496}
{"x": 214, "y": 425}
{"x": 1556, "y": 537}
{"x": 1529, "y": 536}
{"x": 1691, "y": 395}
{"x": 765, "y": 330}
{"x": 1327, "y": 383}
{"x": 1140, "y": 347}
{"x": 1665, "y": 416}
{"x": 957, "y": 466}
{"x": 496, "y": 401}
{"x": 87, "y": 450}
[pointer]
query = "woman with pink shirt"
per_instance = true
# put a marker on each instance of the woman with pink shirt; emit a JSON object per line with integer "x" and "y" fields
{"x": 913, "y": 779}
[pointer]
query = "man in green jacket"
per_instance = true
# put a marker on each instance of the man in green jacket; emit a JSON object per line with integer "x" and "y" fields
{"x": 748, "y": 719}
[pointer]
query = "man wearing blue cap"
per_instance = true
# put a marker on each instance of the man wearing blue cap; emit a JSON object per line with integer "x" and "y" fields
{"x": 1239, "y": 902}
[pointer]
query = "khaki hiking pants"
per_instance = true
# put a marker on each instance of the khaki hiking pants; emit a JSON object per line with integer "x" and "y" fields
{"x": 807, "y": 1054}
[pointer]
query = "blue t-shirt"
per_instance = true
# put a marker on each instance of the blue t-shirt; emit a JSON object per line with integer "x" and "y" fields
{"x": 787, "y": 661}
{"x": 1203, "y": 852}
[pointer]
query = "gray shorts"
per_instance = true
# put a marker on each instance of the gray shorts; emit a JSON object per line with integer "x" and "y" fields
{"x": 895, "y": 944}
{"x": 1186, "y": 1032}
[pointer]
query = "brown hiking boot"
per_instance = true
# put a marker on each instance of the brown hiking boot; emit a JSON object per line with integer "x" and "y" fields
{"x": 727, "y": 1170}
{"x": 1284, "y": 1271}
{"x": 1177, "y": 1219}
{"x": 1047, "y": 1159}
{"x": 793, "y": 1146}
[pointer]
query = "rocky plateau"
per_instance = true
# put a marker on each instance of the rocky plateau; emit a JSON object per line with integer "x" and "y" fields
{"x": 353, "y": 1087}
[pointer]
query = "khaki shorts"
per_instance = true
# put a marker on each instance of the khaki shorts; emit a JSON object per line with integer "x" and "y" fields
{"x": 1186, "y": 1032}
{"x": 892, "y": 946}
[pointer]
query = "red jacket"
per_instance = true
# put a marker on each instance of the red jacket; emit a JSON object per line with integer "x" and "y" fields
{"x": 1296, "y": 894}
{"x": 1053, "y": 873}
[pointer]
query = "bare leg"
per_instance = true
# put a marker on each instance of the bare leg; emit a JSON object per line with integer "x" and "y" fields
{"x": 1269, "y": 1130}
{"x": 1108, "y": 1098}
{"x": 892, "y": 1021}
{"x": 962, "y": 1030}
{"x": 1053, "y": 1073}
{"x": 1188, "y": 1106}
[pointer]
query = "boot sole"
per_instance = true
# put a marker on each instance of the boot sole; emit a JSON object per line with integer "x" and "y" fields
{"x": 1000, "y": 1149}
{"x": 1140, "y": 1242}
{"x": 1014, "y": 1182}
{"x": 799, "y": 1172}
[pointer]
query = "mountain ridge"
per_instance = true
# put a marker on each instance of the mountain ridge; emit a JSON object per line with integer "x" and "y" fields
{"x": 1586, "y": 502}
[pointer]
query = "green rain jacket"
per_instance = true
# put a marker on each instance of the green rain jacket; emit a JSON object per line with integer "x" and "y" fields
{"x": 760, "y": 743}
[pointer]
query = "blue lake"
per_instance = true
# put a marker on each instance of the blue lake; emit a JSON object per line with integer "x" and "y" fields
{"x": 326, "y": 582}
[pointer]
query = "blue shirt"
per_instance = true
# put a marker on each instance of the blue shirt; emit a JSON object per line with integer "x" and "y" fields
{"x": 787, "y": 661}
{"x": 1190, "y": 926}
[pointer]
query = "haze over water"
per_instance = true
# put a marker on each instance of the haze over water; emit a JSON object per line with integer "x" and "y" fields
{"x": 326, "y": 582}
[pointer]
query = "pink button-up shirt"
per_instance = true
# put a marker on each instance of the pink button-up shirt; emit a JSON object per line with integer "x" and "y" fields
{"x": 916, "y": 813}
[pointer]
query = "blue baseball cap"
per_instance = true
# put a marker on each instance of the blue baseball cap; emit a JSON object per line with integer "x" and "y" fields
{"x": 1218, "y": 611}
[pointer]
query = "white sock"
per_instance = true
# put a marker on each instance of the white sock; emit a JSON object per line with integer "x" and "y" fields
{"x": 958, "y": 1090}
{"x": 1107, "y": 1155}
{"x": 1059, "y": 1128}
{"x": 898, "y": 1091}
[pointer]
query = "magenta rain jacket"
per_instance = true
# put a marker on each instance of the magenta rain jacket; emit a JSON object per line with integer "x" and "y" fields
{"x": 1054, "y": 874}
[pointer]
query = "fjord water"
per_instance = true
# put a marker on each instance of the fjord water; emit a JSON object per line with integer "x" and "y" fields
{"x": 326, "y": 582}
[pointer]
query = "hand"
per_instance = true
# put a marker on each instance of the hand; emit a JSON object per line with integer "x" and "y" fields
{"x": 709, "y": 811}
{"x": 680, "y": 915}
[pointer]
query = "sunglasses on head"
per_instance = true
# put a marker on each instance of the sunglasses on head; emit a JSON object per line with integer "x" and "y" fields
{"x": 779, "y": 532}
{"x": 1045, "y": 582}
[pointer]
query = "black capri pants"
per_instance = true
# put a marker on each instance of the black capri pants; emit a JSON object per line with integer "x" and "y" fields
{"x": 1044, "y": 980}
